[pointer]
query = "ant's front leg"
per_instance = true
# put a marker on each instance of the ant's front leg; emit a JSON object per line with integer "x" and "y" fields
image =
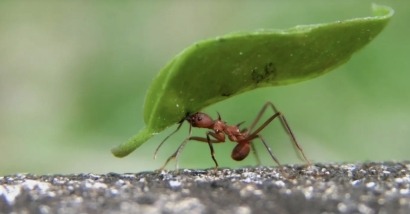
{"x": 217, "y": 139}
{"x": 163, "y": 141}
{"x": 176, "y": 154}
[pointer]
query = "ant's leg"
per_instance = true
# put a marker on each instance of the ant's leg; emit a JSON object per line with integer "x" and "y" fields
{"x": 210, "y": 142}
{"x": 178, "y": 151}
{"x": 175, "y": 155}
{"x": 159, "y": 146}
{"x": 288, "y": 130}
{"x": 269, "y": 149}
{"x": 284, "y": 123}
{"x": 211, "y": 147}
{"x": 258, "y": 117}
{"x": 253, "y": 148}
{"x": 204, "y": 139}
{"x": 255, "y": 153}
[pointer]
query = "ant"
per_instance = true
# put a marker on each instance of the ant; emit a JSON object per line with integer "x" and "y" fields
{"x": 220, "y": 129}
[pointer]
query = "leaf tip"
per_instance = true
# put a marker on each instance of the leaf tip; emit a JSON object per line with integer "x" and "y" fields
{"x": 382, "y": 10}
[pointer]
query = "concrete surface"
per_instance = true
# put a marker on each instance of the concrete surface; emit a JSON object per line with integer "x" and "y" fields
{"x": 319, "y": 188}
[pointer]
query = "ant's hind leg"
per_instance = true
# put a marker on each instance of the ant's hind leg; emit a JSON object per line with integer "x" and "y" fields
{"x": 255, "y": 153}
{"x": 288, "y": 130}
{"x": 258, "y": 117}
{"x": 269, "y": 150}
{"x": 284, "y": 124}
{"x": 253, "y": 148}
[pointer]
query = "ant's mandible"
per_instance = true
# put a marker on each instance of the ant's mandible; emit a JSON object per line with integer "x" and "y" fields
{"x": 219, "y": 130}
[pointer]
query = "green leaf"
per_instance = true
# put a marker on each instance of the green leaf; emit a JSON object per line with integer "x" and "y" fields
{"x": 216, "y": 69}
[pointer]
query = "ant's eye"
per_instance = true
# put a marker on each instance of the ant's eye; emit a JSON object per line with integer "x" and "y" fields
{"x": 199, "y": 118}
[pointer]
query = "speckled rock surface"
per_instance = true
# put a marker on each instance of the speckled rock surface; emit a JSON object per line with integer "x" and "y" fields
{"x": 319, "y": 188}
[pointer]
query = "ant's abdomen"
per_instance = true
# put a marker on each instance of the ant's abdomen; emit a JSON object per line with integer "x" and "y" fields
{"x": 240, "y": 151}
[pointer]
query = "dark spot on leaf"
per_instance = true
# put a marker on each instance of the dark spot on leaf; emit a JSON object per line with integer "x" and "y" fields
{"x": 265, "y": 74}
{"x": 257, "y": 75}
{"x": 225, "y": 91}
{"x": 270, "y": 69}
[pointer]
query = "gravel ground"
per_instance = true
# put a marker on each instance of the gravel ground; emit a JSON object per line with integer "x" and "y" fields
{"x": 319, "y": 188}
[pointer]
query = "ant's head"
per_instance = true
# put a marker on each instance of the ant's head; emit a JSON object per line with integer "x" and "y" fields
{"x": 200, "y": 120}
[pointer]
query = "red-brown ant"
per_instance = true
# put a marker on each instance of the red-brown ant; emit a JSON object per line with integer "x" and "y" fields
{"x": 219, "y": 130}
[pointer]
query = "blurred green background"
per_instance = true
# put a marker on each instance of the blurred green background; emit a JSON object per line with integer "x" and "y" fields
{"x": 73, "y": 76}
